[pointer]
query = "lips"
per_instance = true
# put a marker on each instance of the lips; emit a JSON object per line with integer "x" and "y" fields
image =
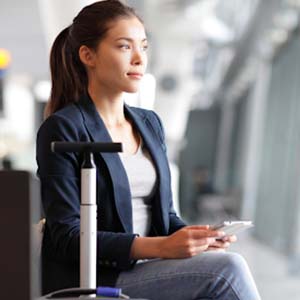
{"x": 135, "y": 75}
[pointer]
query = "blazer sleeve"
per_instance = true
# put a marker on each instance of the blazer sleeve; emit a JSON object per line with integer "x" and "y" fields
{"x": 59, "y": 174}
{"x": 176, "y": 222}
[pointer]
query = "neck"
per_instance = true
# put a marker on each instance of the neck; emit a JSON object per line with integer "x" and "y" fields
{"x": 110, "y": 105}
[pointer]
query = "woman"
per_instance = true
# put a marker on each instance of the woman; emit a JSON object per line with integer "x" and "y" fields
{"x": 93, "y": 62}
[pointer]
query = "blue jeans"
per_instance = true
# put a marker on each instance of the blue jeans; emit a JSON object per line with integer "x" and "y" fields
{"x": 210, "y": 275}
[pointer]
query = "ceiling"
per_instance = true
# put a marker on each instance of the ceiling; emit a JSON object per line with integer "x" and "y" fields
{"x": 217, "y": 30}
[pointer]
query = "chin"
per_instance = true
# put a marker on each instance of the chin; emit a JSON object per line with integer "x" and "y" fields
{"x": 131, "y": 90}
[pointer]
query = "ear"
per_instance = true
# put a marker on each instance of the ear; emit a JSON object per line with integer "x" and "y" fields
{"x": 87, "y": 56}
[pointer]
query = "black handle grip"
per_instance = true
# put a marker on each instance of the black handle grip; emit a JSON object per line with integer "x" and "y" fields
{"x": 85, "y": 147}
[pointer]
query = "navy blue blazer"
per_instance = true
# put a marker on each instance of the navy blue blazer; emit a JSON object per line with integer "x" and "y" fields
{"x": 60, "y": 187}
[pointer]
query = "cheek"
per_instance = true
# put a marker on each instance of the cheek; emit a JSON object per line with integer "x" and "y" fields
{"x": 117, "y": 67}
{"x": 108, "y": 70}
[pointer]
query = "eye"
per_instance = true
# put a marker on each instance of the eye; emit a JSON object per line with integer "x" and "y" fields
{"x": 145, "y": 47}
{"x": 124, "y": 46}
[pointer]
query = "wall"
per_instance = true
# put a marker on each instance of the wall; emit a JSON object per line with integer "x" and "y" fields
{"x": 279, "y": 176}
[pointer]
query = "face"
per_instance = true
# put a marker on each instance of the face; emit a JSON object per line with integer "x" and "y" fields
{"x": 120, "y": 60}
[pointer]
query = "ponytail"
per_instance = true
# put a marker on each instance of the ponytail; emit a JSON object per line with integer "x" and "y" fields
{"x": 68, "y": 75}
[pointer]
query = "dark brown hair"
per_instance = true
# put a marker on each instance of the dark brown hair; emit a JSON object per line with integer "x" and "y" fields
{"x": 68, "y": 74}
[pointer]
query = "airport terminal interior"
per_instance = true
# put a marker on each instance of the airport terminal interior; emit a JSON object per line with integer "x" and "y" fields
{"x": 224, "y": 76}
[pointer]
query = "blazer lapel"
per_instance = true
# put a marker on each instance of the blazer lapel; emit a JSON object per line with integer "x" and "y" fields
{"x": 98, "y": 133}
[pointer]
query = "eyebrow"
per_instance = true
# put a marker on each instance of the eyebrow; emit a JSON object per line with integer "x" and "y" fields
{"x": 129, "y": 39}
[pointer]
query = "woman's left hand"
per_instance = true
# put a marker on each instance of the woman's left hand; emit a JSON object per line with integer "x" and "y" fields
{"x": 222, "y": 245}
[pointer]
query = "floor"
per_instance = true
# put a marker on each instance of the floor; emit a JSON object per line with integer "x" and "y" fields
{"x": 270, "y": 270}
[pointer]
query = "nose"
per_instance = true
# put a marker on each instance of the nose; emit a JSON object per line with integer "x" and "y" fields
{"x": 138, "y": 57}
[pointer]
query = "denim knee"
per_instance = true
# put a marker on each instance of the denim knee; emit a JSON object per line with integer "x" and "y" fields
{"x": 235, "y": 262}
{"x": 237, "y": 273}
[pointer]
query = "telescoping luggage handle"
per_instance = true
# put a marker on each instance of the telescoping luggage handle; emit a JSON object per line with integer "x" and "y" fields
{"x": 88, "y": 216}
{"x": 85, "y": 147}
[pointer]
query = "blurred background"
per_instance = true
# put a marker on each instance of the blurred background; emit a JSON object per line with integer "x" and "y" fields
{"x": 224, "y": 76}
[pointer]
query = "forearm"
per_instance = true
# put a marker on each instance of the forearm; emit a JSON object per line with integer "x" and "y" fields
{"x": 146, "y": 247}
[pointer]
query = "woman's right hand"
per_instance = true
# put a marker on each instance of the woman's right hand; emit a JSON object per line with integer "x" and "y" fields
{"x": 188, "y": 241}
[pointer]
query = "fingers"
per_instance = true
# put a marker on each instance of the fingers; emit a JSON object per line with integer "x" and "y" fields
{"x": 201, "y": 249}
{"x": 207, "y": 241}
{"x": 217, "y": 246}
{"x": 198, "y": 234}
{"x": 220, "y": 244}
{"x": 230, "y": 238}
{"x": 197, "y": 250}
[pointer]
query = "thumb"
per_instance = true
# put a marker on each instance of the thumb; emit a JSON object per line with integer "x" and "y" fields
{"x": 195, "y": 227}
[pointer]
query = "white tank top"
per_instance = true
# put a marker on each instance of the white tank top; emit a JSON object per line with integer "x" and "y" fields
{"x": 142, "y": 180}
